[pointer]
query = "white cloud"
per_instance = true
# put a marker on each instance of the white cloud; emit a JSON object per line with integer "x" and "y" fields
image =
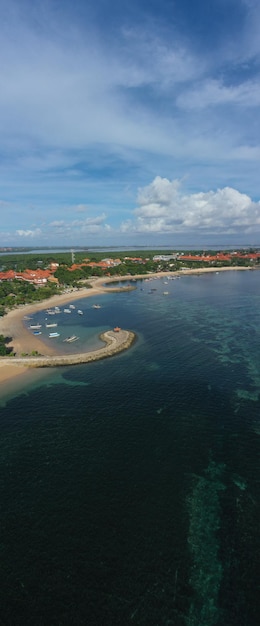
{"x": 164, "y": 208}
{"x": 94, "y": 220}
{"x": 81, "y": 208}
{"x": 249, "y": 41}
{"x": 62, "y": 231}
{"x": 57, "y": 224}
{"x": 214, "y": 93}
{"x": 92, "y": 225}
{"x": 75, "y": 92}
{"x": 75, "y": 228}
{"x": 159, "y": 63}
{"x": 29, "y": 233}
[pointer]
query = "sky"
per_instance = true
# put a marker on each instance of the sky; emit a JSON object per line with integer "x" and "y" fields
{"x": 129, "y": 122}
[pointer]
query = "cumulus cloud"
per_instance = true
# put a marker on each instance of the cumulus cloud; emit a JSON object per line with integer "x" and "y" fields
{"x": 64, "y": 231}
{"x": 95, "y": 219}
{"x": 29, "y": 233}
{"x": 91, "y": 225}
{"x": 164, "y": 208}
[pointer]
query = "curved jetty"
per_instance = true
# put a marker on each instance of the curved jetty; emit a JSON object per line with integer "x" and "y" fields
{"x": 115, "y": 342}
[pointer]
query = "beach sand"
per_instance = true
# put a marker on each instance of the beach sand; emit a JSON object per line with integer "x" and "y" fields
{"x": 8, "y": 371}
{"x": 12, "y": 325}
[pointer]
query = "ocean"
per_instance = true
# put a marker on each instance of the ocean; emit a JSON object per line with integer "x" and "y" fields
{"x": 130, "y": 486}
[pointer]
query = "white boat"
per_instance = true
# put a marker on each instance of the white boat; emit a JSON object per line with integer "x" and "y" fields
{"x": 57, "y": 309}
{"x": 71, "y": 339}
{"x": 80, "y": 312}
{"x": 66, "y": 311}
{"x": 72, "y": 306}
{"x": 35, "y": 326}
{"x": 96, "y": 306}
{"x": 165, "y": 293}
{"x": 54, "y": 334}
{"x": 51, "y": 325}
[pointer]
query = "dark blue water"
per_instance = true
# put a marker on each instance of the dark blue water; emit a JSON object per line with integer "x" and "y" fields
{"x": 130, "y": 486}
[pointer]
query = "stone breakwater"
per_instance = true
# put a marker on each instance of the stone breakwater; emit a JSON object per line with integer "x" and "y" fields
{"x": 115, "y": 342}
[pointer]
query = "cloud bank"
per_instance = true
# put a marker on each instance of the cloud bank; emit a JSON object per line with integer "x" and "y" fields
{"x": 164, "y": 208}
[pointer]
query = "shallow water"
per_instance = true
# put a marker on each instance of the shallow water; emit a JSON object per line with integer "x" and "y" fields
{"x": 130, "y": 486}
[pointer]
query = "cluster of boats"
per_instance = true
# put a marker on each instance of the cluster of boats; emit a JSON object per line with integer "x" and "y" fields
{"x": 57, "y": 309}
{"x": 36, "y": 328}
{"x": 69, "y": 310}
{"x": 53, "y": 311}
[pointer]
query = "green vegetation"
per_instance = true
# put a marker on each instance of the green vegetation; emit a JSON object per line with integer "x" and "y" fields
{"x": 33, "y": 353}
{"x": 15, "y": 292}
{"x": 69, "y": 278}
{"x": 4, "y": 349}
{"x": 21, "y": 262}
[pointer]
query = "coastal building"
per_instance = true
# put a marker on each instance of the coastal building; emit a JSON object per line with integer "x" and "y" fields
{"x": 164, "y": 257}
{"x": 35, "y": 277}
{"x": 135, "y": 259}
{"x": 53, "y": 266}
{"x": 9, "y": 275}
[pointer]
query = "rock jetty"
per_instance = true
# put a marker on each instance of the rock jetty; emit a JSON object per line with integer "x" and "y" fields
{"x": 114, "y": 342}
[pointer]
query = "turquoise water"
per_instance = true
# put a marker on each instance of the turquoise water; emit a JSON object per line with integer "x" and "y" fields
{"x": 130, "y": 486}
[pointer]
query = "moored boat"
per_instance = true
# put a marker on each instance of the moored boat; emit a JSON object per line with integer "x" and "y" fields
{"x": 54, "y": 335}
{"x": 71, "y": 339}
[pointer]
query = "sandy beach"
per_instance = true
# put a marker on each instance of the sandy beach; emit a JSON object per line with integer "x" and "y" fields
{"x": 11, "y": 325}
{"x": 10, "y": 370}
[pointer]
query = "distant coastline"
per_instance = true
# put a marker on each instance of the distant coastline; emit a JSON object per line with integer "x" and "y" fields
{"x": 23, "y": 341}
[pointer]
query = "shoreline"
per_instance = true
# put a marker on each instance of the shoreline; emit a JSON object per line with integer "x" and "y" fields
{"x": 23, "y": 341}
{"x": 115, "y": 342}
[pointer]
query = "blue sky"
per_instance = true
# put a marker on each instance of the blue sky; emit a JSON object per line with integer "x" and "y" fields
{"x": 129, "y": 123}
